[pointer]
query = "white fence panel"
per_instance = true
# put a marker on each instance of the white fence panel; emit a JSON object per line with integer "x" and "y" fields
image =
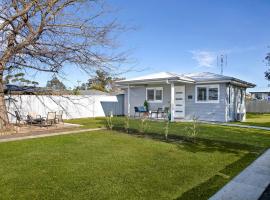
{"x": 258, "y": 106}
{"x": 78, "y": 106}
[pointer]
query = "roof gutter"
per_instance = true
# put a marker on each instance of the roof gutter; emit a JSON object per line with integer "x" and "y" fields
{"x": 148, "y": 81}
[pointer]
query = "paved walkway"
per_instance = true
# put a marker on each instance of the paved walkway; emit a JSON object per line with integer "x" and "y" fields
{"x": 239, "y": 125}
{"x": 250, "y": 183}
{"x": 48, "y": 134}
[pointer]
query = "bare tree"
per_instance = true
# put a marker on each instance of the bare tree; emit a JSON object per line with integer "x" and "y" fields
{"x": 45, "y": 35}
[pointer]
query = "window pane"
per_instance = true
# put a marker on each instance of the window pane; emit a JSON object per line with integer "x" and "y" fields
{"x": 213, "y": 94}
{"x": 150, "y": 95}
{"x": 159, "y": 95}
{"x": 201, "y": 94}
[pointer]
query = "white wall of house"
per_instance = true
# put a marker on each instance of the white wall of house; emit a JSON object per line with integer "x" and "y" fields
{"x": 73, "y": 106}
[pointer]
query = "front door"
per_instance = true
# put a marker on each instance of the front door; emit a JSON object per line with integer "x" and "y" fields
{"x": 179, "y": 102}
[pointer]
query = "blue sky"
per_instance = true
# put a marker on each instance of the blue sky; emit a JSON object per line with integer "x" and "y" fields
{"x": 187, "y": 35}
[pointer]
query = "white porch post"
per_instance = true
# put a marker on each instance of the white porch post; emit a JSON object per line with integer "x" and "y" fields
{"x": 172, "y": 102}
{"x": 128, "y": 101}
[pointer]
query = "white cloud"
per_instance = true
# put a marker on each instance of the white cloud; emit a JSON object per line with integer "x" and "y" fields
{"x": 204, "y": 58}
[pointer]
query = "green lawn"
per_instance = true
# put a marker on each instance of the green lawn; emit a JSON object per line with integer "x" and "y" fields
{"x": 254, "y": 119}
{"x": 211, "y": 133}
{"x": 114, "y": 165}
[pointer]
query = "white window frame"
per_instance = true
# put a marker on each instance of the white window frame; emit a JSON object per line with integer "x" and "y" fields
{"x": 207, "y": 93}
{"x": 154, "y": 101}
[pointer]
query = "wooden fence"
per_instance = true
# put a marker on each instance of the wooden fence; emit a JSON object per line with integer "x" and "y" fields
{"x": 258, "y": 106}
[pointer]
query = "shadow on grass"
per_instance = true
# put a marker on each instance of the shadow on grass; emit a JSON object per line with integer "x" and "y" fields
{"x": 208, "y": 188}
{"x": 201, "y": 144}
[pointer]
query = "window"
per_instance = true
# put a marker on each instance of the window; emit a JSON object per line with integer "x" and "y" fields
{"x": 213, "y": 94}
{"x": 154, "y": 94}
{"x": 207, "y": 94}
{"x": 150, "y": 95}
{"x": 201, "y": 94}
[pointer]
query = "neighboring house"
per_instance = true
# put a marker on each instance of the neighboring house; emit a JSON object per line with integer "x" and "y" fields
{"x": 260, "y": 93}
{"x": 208, "y": 96}
{"x": 10, "y": 89}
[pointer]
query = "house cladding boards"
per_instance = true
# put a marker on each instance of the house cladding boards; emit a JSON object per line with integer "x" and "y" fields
{"x": 205, "y": 111}
{"x": 138, "y": 96}
{"x": 208, "y": 96}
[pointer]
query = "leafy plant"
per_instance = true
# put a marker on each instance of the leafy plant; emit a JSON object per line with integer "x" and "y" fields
{"x": 166, "y": 129}
{"x": 143, "y": 125}
{"x": 193, "y": 130}
{"x": 146, "y": 105}
{"x": 109, "y": 121}
{"x": 126, "y": 125}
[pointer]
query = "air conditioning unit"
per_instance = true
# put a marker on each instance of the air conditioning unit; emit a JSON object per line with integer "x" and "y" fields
{"x": 240, "y": 117}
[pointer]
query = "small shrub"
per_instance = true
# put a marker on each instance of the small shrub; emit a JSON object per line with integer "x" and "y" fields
{"x": 143, "y": 125}
{"x": 126, "y": 124}
{"x": 146, "y": 105}
{"x": 109, "y": 121}
{"x": 166, "y": 129}
{"x": 193, "y": 130}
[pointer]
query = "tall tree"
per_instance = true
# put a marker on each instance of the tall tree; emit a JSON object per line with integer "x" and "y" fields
{"x": 101, "y": 81}
{"x": 45, "y": 35}
{"x": 55, "y": 84}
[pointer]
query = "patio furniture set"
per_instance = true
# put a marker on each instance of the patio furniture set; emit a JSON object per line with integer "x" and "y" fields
{"x": 160, "y": 113}
{"x": 52, "y": 118}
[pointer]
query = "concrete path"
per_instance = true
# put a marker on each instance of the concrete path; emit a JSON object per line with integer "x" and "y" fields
{"x": 250, "y": 183}
{"x": 48, "y": 134}
{"x": 239, "y": 125}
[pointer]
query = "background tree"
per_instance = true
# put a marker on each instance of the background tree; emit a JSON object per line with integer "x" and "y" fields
{"x": 19, "y": 79}
{"x": 39, "y": 35}
{"x": 55, "y": 84}
{"x": 100, "y": 82}
{"x": 267, "y": 60}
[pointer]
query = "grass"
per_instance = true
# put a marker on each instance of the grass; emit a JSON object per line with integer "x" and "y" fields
{"x": 211, "y": 133}
{"x": 113, "y": 165}
{"x": 254, "y": 119}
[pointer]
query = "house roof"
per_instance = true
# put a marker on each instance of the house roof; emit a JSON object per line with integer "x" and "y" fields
{"x": 157, "y": 77}
{"x": 260, "y": 90}
{"x": 203, "y": 77}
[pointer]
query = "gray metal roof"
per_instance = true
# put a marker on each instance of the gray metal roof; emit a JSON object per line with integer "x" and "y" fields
{"x": 208, "y": 76}
{"x": 260, "y": 90}
{"x": 202, "y": 77}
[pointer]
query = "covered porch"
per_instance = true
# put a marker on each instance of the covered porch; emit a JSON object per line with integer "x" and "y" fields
{"x": 165, "y": 96}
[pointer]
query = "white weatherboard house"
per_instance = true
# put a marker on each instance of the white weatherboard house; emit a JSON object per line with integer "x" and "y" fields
{"x": 260, "y": 93}
{"x": 208, "y": 96}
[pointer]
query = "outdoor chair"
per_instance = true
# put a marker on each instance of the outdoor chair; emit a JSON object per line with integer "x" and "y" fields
{"x": 158, "y": 111}
{"x": 19, "y": 118}
{"x": 139, "y": 110}
{"x": 59, "y": 117}
{"x": 50, "y": 119}
{"x": 32, "y": 119}
{"x": 166, "y": 112}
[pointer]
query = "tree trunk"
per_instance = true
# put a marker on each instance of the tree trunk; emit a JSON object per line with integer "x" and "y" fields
{"x": 3, "y": 109}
